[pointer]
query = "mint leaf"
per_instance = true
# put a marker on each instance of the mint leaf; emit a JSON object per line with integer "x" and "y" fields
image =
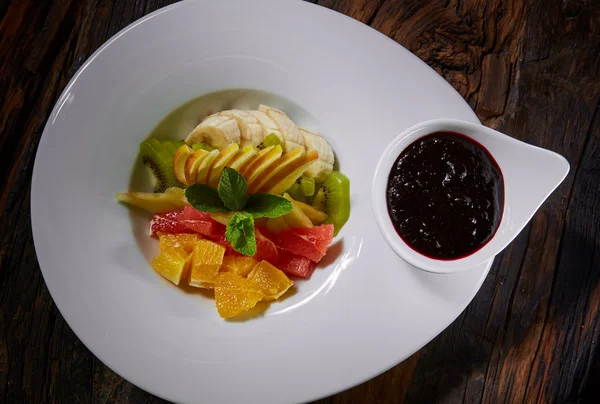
{"x": 232, "y": 189}
{"x": 240, "y": 233}
{"x": 267, "y": 205}
{"x": 204, "y": 198}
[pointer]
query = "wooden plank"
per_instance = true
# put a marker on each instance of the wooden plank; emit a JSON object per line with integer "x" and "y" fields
{"x": 529, "y": 68}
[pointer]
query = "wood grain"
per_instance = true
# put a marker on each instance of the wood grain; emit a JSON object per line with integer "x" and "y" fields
{"x": 530, "y": 68}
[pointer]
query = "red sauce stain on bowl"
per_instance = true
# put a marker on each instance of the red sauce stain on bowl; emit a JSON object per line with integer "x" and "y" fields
{"x": 445, "y": 196}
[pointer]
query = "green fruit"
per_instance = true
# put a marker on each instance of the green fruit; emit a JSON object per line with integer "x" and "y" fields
{"x": 203, "y": 146}
{"x": 156, "y": 156}
{"x": 333, "y": 197}
{"x": 270, "y": 140}
{"x": 303, "y": 187}
{"x": 307, "y": 185}
{"x": 172, "y": 146}
{"x": 295, "y": 191}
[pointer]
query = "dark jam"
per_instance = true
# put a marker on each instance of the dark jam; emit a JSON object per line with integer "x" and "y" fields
{"x": 445, "y": 195}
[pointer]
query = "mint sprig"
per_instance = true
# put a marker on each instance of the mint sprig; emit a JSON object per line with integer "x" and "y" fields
{"x": 268, "y": 205}
{"x": 231, "y": 195}
{"x": 204, "y": 198}
{"x": 240, "y": 233}
{"x": 232, "y": 189}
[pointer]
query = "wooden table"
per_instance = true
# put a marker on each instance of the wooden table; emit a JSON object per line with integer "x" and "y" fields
{"x": 530, "y": 68}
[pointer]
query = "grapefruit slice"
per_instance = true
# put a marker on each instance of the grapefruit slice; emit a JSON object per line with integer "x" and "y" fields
{"x": 201, "y": 222}
{"x": 168, "y": 223}
{"x": 295, "y": 265}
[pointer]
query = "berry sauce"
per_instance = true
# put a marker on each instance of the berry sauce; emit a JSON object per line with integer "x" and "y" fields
{"x": 445, "y": 195}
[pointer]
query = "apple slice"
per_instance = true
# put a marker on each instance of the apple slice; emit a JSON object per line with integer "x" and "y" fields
{"x": 214, "y": 172}
{"x": 205, "y": 166}
{"x": 191, "y": 165}
{"x": 260, "y": 154}
{"x": 275, "y": 167}
{"x": 181, "y": 156}
{"x": 241, "y": 157}
{"x": 261, "y": 162}
{"x": 284, "y": 179}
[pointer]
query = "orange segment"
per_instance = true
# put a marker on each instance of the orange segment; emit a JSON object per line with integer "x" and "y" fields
{"x": 172, "y": 263}
{"x": 183, "y": 240}
{"x": 238, "y": 265}
{"x": 269, "y": 280}
{"x": 234, "y": 295}
{"x": 206, "y": 261}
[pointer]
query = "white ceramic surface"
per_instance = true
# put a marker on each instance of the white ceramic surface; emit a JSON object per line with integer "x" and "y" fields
{"x": 359, "y": 315}
{"x": 530, "y": 175}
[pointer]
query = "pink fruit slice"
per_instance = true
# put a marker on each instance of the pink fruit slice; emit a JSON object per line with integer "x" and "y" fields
{"x": 201, "y": 222}
{"x": 310, "y": 243}
{"x": 295, "y": 265}
{"x": 168, "y": 223}
{"x": 265, "y": 248}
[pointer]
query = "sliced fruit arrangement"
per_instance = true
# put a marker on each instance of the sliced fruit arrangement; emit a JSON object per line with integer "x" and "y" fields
{"x": 246, "y": 202}
{"x": 258, "y": 129}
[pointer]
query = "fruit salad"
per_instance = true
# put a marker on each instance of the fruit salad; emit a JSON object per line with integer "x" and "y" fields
{"x": 245, "y": 205}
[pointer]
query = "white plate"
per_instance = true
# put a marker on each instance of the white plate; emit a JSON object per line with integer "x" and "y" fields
{"x": 362, "y": 314}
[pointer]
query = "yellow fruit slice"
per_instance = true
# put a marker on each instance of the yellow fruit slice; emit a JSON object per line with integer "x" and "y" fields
{"x": 315, "y": 215}
{"x": 238, "y": 265}
{"x": 296, "y": 218}
{"x": 214, "y": 173}
{"x": 168, "y": 201}
{"x": 201, "y": 175}
{"x": 269, "y": 280}
{"x": 181, "y": 156}
{"x": 234, "y": 295}
{"x": 259, "y": 154}
{"x": 192, "y": 164}
{"x": 173, "y": 263}
{"x": 263, "y": 180}
{"x": 183, "y": 240}
{"x": 241, "y": 158}
{"x": 207, "y": 259}
{"x": 277, "y": 225}
{"x": 286, "y": 177}
{"x": 261, "y": 162}
{"x": 222, "y": 217}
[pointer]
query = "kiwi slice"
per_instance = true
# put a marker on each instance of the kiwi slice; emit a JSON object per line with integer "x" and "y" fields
{"x": 172, "y": 146}
{"x": 333, "y": 197}
{"x": 295, "y": 191}
{"x": 270, "y": 140}
{"x": 307, "y": 185}
{"x": 156, "y": 156}
{"x": 203, "y": 146}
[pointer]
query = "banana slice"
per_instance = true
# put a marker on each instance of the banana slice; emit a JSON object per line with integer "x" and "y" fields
{"x": 291, "y": 134}
{"x": 216, "y": 130}
{"x": 267, "y": 124}
{"x": 324, "y": 165}
{"x": 251, "y": 131}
